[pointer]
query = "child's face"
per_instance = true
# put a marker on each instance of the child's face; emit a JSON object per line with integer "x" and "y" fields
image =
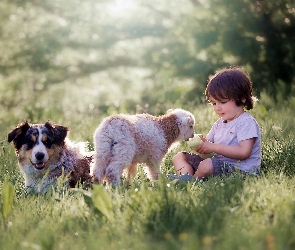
{"x": 226, "y": 109}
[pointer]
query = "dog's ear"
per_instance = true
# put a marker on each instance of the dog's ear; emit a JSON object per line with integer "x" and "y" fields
{"x": 59, "y": 132}
{"x": 17, "y": 134}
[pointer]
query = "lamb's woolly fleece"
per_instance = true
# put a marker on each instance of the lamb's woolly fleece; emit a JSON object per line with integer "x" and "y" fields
{"x": 122, "y": 141}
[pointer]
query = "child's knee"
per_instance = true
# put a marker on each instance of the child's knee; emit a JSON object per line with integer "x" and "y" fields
{"x": 180, "y": 156}
{"x": 206, "y": 167}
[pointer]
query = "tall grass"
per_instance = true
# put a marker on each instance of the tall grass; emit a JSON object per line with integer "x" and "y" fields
{"x": 235, "y": 212}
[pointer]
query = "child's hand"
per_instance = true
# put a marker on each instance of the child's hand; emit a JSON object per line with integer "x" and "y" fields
{"x": 204, "y": 149}
{"x": 202, "y": 137}
{"x": 196, "y": 144}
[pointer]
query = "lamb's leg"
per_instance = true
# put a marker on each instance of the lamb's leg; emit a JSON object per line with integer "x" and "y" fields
{"x": 121, "y": 159}
{"x": 115, "y": 145}
{"x": 153, "y": 170}
{"x": 131, "y": 172}
{"x": 102, "y": 155}
{"x": 99, "y": 169}
{"x": 114, "y": 171}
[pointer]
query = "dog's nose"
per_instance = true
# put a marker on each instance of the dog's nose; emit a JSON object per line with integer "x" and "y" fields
{"x": 39, "y": 156}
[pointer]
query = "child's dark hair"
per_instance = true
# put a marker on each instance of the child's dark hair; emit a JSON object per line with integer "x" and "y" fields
{"x": 233, "y": 84}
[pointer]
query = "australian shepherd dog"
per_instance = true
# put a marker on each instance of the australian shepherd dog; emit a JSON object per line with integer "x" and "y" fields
{"x": 45, "y": 153}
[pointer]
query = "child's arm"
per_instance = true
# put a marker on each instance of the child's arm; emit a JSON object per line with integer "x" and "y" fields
{"x": 240, "y": 152}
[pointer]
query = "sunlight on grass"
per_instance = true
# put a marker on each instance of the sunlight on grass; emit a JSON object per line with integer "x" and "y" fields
{"x": 221, "y": 213}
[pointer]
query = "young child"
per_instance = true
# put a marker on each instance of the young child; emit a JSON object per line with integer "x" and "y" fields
{"x": 235, "y": 137}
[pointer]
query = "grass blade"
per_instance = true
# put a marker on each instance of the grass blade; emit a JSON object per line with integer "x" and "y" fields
{"x": 7, "y": 197}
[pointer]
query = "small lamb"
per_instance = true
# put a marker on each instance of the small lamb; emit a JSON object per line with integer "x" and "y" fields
{"x": 122, "y": 141}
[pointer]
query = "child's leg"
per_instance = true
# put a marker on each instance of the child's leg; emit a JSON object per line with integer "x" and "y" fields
{"x": 181, "y": 165}
{"x": 205, "y": 169}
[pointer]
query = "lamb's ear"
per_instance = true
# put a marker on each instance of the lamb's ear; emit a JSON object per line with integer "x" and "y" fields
{"x": 169, "y": 111}
{"x": 17, "y": 134}
{"x": 60, "y": 132}
{"x": 184, "y": 120}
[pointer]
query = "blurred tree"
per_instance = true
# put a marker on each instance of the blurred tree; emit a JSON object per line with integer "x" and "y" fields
{"x": 259, "y": 35}
{"x": 255, "y": 34}
{"x": 166, "y": 50}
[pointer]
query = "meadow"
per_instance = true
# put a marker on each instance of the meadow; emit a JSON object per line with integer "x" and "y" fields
{"x": 236, "y": 212}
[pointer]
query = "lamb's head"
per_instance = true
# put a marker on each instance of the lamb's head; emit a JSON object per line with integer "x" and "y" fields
{"x": 185, "y": 122}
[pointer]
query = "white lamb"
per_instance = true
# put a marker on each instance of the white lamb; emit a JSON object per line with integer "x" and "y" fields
{"x": 122, "y": 141}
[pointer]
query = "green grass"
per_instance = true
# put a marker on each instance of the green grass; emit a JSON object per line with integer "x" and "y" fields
{"x": 235, "y": 212}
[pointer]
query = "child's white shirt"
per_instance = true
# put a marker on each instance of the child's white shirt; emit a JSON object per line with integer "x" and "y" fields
{"x": 231, "y": 133}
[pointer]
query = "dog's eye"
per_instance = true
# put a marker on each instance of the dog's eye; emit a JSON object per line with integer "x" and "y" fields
{"x": 47, "y": 143}
{"x": 30, "y": 144}
{"x": 29, "y": 141}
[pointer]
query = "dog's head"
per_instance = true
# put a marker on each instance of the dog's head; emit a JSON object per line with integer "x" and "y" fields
{"x": 185, "y": 123}
{"x": 38, "y": 144}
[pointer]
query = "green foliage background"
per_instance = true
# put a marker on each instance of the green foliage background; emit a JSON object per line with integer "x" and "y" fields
{"x": 75, "y": 62}
{"x": 100, "y": 57}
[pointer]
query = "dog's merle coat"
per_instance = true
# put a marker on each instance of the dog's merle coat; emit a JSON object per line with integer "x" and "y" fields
{"x": 44, "y": 153}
